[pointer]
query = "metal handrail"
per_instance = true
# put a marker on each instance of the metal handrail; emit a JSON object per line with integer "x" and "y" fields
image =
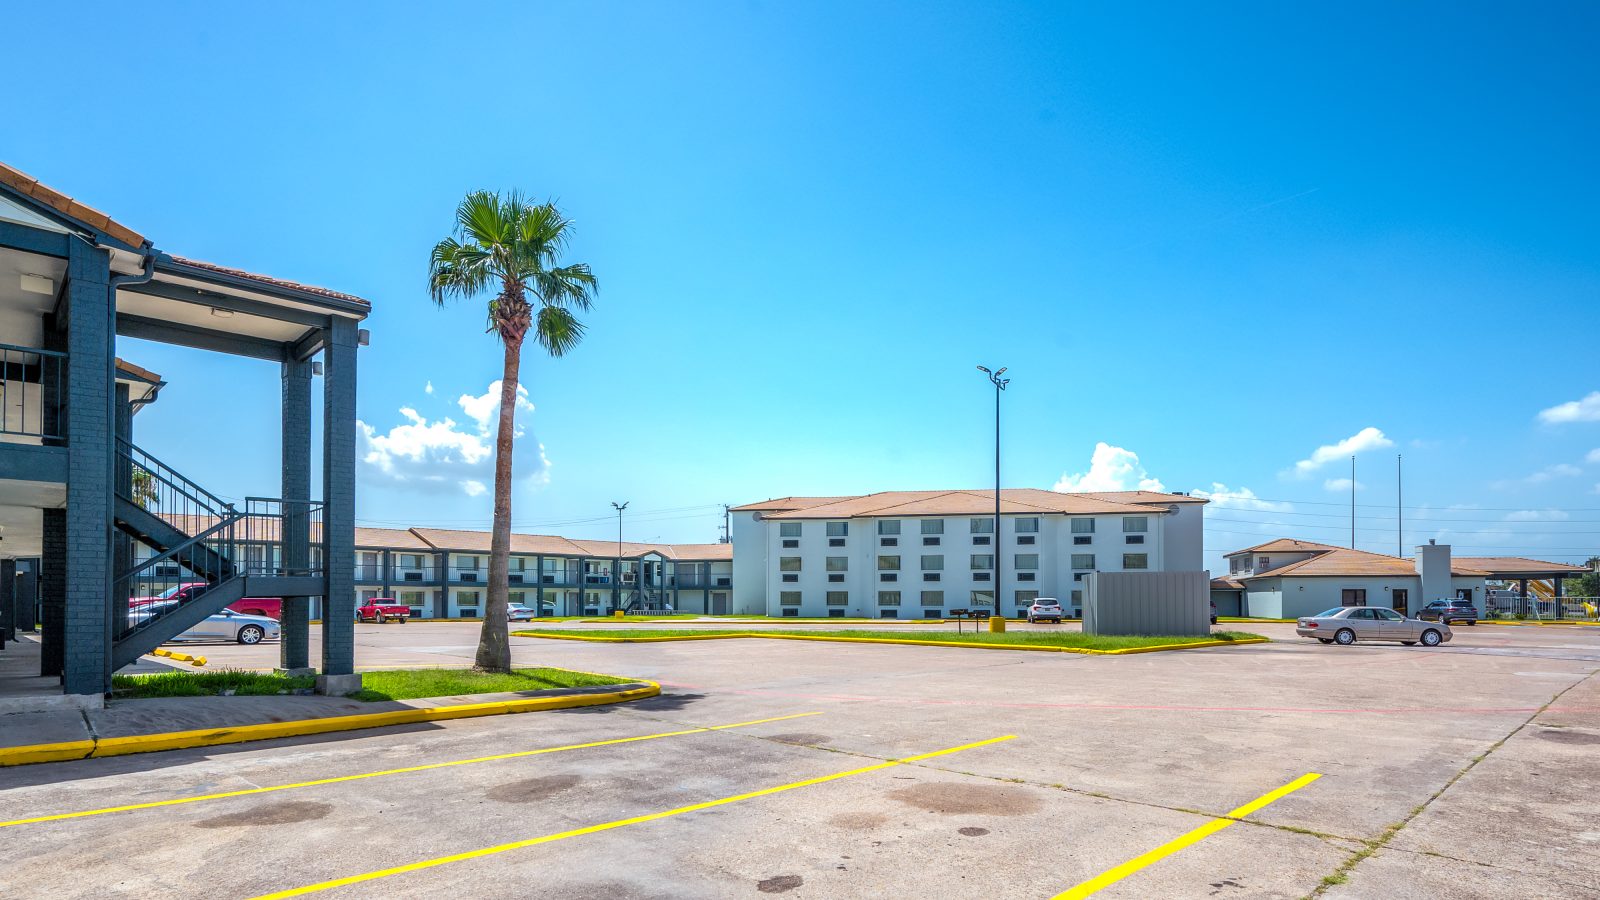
{"x": 177, "y": 481}
{"x": 31, "y": 423}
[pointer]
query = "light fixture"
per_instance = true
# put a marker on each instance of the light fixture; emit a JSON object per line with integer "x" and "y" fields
{"x": 221, "y": 313}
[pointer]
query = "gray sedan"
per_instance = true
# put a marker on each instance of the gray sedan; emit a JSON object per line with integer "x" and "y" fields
{"x": 223, "y": 626}
{"x": 1348, "y": 624}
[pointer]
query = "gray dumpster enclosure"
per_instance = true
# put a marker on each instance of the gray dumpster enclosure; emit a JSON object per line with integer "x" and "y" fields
{"x": 1147, "y": 603}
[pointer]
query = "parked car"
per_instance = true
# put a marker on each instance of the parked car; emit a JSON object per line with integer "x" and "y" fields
{"x": 1348, "y": 624}
{"x": 1045, "y": 609}
{"x": 271, "y": 607}
{"x": 223, "y": 626}
{"x": 382, "y": 609}
{"x": 1450, "y": 612}
{"x": 520, "y": 614}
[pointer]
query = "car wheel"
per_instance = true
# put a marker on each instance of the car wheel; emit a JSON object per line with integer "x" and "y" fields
{"x": 1213, "y": 620}
{"x": 251, "y": 634}
{"x": 1430, "y": 638}
{"x": 402, "y": 620}
{"x": 1324, "y": 640}
{"x": 1345, "y": 637}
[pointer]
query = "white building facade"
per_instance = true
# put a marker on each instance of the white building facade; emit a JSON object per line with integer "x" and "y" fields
{"x": 920, "y": 554}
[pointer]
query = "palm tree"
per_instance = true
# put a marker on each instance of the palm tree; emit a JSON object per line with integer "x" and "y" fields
{"x": 513, "y": 247}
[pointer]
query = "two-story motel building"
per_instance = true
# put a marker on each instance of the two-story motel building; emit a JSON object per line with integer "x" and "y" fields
{"x": 918, "y": 554}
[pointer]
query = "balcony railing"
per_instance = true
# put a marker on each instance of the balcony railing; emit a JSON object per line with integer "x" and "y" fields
{"x": 32, "y": 391}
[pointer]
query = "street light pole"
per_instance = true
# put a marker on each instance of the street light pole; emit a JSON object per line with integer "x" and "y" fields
{"x": 616, "y": 578}
{"x": 999, "y": 385}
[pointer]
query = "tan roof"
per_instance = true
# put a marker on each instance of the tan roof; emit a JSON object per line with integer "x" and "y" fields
{"x": 29, "y": 186}
{"x": 389, "y": 539}
{"x": 1142, "y": 497}
{"x": 785, "y": 503}
{"x": 268, "y": 280}
{"x": 1343, "y": 561}
{"x": 1283, "y": 545}
{"x": 966, "y": 503}
{"x": 1519, "y": 565}
{"x": 139, "y": 372}
{"x": 1226, "y": 583}
{"x": 555, "y": 545}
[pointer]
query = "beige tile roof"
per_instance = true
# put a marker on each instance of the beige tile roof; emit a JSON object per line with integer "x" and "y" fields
{"x": 1283, "y": 545}
{"x": 966, "y": 503}
{"x": 1142, "y": 497}
{"x": 29, "y": 186}
{"x": 389, "y": 539}
{"x": 1519, "y": 566}
{"x": 268, "y": 280}
{"x": 1343, "y": 561}
{"x": 1226, "y": 583}
{"x": 554, "y": 545}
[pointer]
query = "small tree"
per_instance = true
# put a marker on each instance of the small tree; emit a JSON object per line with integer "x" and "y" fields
{"x": 513, "y": 247}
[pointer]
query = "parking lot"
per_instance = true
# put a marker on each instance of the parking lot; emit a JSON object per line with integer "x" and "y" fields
{"x": 1462, "y": 771}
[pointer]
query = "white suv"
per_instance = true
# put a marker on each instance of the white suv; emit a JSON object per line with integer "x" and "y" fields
{"x": 1045, "y": 609}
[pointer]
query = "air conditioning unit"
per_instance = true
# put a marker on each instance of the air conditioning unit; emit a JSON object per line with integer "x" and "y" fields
{"x": 889, "y": 542}
{"x": 469, "y": 576}
{"x": 835, "y": 542}
{"x": 981, "y": 540}
{"x": 514, "y": 579}
{"x": 410, "y": 576}
{"x": 790, "y": 543}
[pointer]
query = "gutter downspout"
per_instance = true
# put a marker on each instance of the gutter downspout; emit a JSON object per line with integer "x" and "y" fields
{"x": 116, "y": 281}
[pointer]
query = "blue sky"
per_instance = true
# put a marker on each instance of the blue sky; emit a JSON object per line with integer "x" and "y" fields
{"x": 1216, "y": 240}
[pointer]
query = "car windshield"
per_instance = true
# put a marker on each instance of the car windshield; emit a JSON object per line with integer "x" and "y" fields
{"x": 1329, "y": 613}
{"x": 171, "y": 592}
{"x": 1461, "y": 603}
{"x": 1046, "y": 603}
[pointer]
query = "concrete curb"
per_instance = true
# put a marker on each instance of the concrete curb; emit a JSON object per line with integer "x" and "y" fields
{"x": 1192, "y": 645}
{"x": 210, "y": 737}
{"x": 1522, "y": 624}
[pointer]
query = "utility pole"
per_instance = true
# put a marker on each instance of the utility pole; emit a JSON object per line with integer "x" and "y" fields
{"x": 1399, "y": 506}
{"x": 727, "y": 526}
{"x": 999, "y": 385}
{"x": 1352, "y": 502}
{"x": 616, "y": 575}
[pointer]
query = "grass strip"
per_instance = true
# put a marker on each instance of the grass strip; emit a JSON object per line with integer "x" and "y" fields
{"x": 391, "y": 684}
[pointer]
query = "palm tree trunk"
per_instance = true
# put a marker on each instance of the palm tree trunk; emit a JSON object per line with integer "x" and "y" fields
{"x": 494, "y": 644}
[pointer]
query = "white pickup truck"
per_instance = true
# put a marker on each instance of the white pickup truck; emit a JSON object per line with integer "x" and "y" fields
{"x": 1045, "y": 609}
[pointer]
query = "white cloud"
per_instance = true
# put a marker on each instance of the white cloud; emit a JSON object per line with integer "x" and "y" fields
{"x": 1593, "y": 456}
{"x": 1368, "y": 438}
{"x": 1342, "y": 485}
{"x": 1585, "y": 410}
{"x": 428, "y": 388}
{"x": 1243, "y": 498}
{"x": 442, "y": 455}
{"x": 1110, "y": 469}
{"x": 1537, "y": 515}
{"x": 1548, "y": 473}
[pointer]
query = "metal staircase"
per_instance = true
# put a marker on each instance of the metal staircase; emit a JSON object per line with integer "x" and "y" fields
{"x": 207, "y": 554}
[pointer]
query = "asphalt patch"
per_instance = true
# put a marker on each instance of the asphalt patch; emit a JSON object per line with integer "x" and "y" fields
{"x": 1565, "y": 736}
{"x": 778, "y": 884}
{"x": 859, "y": 821}
{"x": 969, "y": 831}
{"x": 532, "y": 790}
{"x": 286, "y": 813}
{"x": 958, "y": 799}
{"x": 808, "y": 738}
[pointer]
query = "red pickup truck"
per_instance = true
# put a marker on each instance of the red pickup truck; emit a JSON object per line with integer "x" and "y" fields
{"x": 382, "y": 609}
{"x": 271, "y": 607}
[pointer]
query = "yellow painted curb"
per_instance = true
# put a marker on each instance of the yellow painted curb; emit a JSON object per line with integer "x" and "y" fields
{"x": 180, "y": 657}
{"x": 1536, "y": 624}
{"x": 210, "y": 737}
{"x": 1193, "y": 645}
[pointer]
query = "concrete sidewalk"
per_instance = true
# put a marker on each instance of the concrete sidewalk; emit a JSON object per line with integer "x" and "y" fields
{"x": 132, "y": 718}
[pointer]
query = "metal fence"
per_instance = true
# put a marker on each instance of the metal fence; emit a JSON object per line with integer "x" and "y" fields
{"x": 1532, "y": 606}
{"x": 31, "y": 391}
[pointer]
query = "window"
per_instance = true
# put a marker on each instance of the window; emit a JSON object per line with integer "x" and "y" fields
{"x": 888, "y": 613}
{"x": 788, "y": 598}
{"x": 1026, "y": 560}
{"x": 516, "y": 564}
{"x": 410, "y": 560}
{"x": 838, "y": 563}
{"x": 1388, "y": 615}
{"x": 1136, "y": 560}
{"x": 835, "y": 613}
{"x": 981, "y": 526}
{"x": 1135, "y": 524}
{"x": 888, "y": 598}
{"x": 933, "y": 614}
{"x": 1353, "y": 597}
{"x": 1083, "y": 560}
{"x": 1238, "y": 564}
{"x": 469, "y": 563}
{"x": 933, "y": 526}
{"x": 980, "y": 540}
{"x": 1026, "y": 539}
{"x": 982, "y": 560}
{"x": 888, "y": 526}
{"x": 1029, "y": 525}
{"x": 983, "y": 598}
{"x": 1083, "y": 526}
{"x": 1026, "y": 598}
{"x": 791, "y": 611}
{"x": 838, "y": 598}
{"x": 933, "y": 598}
{"x": 838, "y": 529}
{"x": 1077, "y": 598}
{"x": 888, "y": 563}
{"x": 1264, "y": 563}
{"x": 889, "y": 542}
{"x": 1082, "y": 539}
{"x": 933, "y": 562}
{"x": 1133, "y": 539}
{"x": 789, "y": 529}
{"x": 930, "y": 541}
{"x": 788, "y": 564}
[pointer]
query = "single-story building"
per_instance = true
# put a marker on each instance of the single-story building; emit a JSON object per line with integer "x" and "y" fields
{"x": 1285, "y": 578}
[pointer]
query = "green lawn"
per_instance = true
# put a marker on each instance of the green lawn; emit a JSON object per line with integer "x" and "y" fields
{"x": 1074, "y": 639}
{"x": 394, "y": 684}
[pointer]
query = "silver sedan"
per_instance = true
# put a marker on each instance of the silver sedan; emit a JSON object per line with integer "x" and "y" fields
{"x": 1348, "y": 624}
{"x": 223, "y": 626}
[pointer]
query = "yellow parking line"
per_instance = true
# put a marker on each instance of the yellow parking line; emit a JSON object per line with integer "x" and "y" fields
{"x": 421, "y": 768}
{"x": 1112, "y": 876}
{"x": 618, "y": 823}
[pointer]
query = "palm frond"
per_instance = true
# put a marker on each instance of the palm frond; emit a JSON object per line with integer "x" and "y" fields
{"x": 566, "y": 286}
{"x": 557, "y": 330}
{"x": 456, "y": 270}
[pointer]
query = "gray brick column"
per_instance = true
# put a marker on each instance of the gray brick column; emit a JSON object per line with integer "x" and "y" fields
{"x": 86, "y": 667}
{"x": 122, "y": 544}
{"x": 339, "y": 495}
{"x": 294, "y": 652}
{"x": 8, "y": 601}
